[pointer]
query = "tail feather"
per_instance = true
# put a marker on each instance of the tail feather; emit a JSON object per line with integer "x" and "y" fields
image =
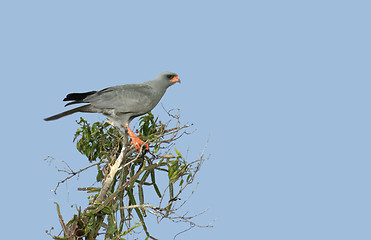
{"x": 69, "y": 112}
{"x": 74, "y": 102}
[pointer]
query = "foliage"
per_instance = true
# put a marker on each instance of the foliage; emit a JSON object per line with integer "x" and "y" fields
{"x": 118, "y": 207}
{"x": 97, "y": 141}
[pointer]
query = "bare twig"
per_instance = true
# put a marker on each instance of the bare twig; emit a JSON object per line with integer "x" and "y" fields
{"x": 190, "y": 227}
{"x": 72, "y": 173}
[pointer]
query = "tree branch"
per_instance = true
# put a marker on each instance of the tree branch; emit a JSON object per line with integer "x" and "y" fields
{"x": 110, "y": 176}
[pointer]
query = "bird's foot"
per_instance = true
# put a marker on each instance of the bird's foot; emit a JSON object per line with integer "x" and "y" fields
{"x": 135, "y": 140}
{"x": 138, "y": 143}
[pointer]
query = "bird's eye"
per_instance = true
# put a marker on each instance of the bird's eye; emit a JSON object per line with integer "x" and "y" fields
{"x": 169, "y": 76}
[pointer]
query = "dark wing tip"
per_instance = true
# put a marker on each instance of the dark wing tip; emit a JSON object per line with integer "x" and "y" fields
{"x": 78, "y": 96}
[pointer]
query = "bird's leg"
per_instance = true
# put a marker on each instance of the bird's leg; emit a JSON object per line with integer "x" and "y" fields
{"x": 135, "y": 139}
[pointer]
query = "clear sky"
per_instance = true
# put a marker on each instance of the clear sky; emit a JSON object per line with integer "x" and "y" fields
{"x": 281, "y": 88}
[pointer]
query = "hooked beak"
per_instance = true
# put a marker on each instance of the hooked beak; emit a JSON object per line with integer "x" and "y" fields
{"x": 175, "y": 79}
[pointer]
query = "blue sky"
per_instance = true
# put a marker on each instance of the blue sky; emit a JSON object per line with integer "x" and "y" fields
{"x": 281, "y": 89}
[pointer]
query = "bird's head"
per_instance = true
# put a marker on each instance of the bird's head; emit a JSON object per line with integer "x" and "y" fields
{"x": 169, "y": 78}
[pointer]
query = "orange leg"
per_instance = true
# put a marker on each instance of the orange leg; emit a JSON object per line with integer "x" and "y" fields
{"x": 135, "y": 139}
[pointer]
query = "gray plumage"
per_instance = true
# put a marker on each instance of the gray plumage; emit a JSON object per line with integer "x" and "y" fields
{"x": 121, "y": 103}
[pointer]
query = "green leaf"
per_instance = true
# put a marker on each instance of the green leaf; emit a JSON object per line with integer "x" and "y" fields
{"x": 112, "y": 228}
{"x": 157, "y": 147}
{"x": 145, "y": 176}
{"x": 100, "y": 175}
{"x": 130, "y": 229}
{"x": 140, "y": 193}
{"x": 189, "y": 177}
{"x": 107, "y": 210}
{"x": 174, "y": 176}
{"x": 170, "y": 173}
{"x": 177, "y": 152}
{"x": 157, "y": 190}
{"x": 89, "y": 214}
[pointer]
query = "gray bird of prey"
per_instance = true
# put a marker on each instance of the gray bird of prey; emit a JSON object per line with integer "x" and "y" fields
{"x": 122, "y": 103}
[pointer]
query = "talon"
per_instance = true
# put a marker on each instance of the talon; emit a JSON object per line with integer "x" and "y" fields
{"x": 135, "y": 140}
